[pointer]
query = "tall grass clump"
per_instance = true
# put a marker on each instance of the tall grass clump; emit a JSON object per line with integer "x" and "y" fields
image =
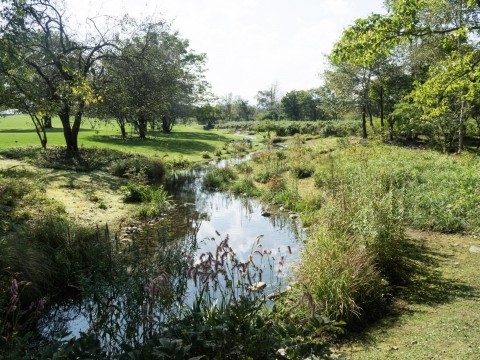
{"x": 219, "y": 178}
{"x": 42, "y": 260}
{"x": 245, "y": 187}
{"x": 355, "y": 249}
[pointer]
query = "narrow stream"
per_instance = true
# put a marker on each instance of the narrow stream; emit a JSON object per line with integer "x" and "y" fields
{"x": 209, "y": 217}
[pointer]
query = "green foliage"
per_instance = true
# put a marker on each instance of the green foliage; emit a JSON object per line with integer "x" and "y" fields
{"x": 225, "y": 320}
{"x": 154, "y": 202}
{"x": 44, "y": 259}
{"x": 206, "y": 155}
{"x": 56, "y": 157}
{"x": 152, "y": 168}
{"x": 302, "y": 171}
{"x": 219, "y": 178}
{"x": 245, "y": 187}
{"x": 287, "y": 128}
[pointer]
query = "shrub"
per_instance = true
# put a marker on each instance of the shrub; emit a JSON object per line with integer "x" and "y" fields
{"x": 245, "y": 187}
{"x": 152, "y": 168}
{"x": 341, "y": 276}
{"x": 218, "y": 178}
{"x": 264, "y": 176}
{"x": 133, "y": 192}
{"x": 155, "y": 201}
{"x": 302, "y": 171}
{"x": 57, "y": 157}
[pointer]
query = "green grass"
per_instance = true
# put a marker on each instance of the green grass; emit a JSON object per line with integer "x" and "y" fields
{"x": 188, "y": 142}
{"x": 436, "y": 316}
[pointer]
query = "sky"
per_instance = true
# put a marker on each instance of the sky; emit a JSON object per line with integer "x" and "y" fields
{"x": 250, "y": 44}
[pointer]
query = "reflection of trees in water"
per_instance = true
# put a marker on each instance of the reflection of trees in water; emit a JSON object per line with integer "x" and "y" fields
{"x": 57, "y": 320}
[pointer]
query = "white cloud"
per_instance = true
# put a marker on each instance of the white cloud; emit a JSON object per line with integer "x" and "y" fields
{"x": 250, "y": 44}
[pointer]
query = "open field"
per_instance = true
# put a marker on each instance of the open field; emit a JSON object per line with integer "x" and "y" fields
{"x": 186, "y": 141}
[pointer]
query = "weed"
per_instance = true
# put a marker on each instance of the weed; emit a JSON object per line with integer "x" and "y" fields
{"x": 218, "y": 178}
{"x": 153, "y": 169}
{"x": 245, "y": 187}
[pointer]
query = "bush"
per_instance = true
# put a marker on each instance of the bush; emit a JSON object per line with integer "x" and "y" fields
{"x": 219, "y": 178}
{"x": 155, "y": 201}
{"x": 341, "y": 276}
{"x": 302, "y": 171}
{"x": 245, "y": 187}
{"x": 152, "y": 168}
{"x": 57, "y": 157}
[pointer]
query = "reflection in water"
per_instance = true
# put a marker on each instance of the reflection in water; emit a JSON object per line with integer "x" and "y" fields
{"x": 199, "y": 221}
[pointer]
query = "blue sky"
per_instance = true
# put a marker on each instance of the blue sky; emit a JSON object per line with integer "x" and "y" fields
{"x": 250, "y": 44}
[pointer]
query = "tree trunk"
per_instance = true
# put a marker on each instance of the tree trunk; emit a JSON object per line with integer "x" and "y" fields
{"x": 47, "y": 121}
{"x": 70, "y": 132}
{"x": 370, "y": 115}
{"x": 461, "y": 129}
{"x": 142, "y": 127}
{"x": 167, "y": 124}
{"x": 382, "y": 109}
{"x": 67, "y": 129}
{"x": 391, "y": 123}
{"x": 121, "y": 125}
{"x": 364, "y": 122}
{"x": 40, "y": 130}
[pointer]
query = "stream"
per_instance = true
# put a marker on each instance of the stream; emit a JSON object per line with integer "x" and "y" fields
{"x": 205, "y": 217}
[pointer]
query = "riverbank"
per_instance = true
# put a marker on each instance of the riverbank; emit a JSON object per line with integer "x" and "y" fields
{"x": 426, "y": 301}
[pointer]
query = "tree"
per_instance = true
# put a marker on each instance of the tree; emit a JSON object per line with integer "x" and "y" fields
{"x": 291, "y": 106}
{"x": 245, "y": 110}
{"x": 155, "y": 77}
{"x": 350, "y": 85}
{"x": 228, "y": 107}
{"x": 35, "y": 32}
{"x": 451, "y": 76}
{"x": 269, "y": 101}
{"x": 21, "y": 89}
{"x": 206, "y": 115}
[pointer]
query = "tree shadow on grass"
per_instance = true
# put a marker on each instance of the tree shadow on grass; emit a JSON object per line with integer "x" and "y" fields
{"x": 84, "y": 180}
{"x": 32, "y": 131}
{"x": 424, "y": 284}
{"x": 181, "y": 142}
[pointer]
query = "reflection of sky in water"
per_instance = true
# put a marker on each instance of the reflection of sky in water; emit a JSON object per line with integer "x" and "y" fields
{"x": 242, "y": 221}
{"x": 236, "y": 217}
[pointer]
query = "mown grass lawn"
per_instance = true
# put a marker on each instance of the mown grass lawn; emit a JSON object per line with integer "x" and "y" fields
{"x": 186, "y": 141}
{"x": 437, "y": 316}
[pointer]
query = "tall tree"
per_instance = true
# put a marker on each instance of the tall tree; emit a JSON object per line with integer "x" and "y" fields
{"x": 36, "y": 33}
{"x": 245, "y": 110}
{"x": 291, "y": 105}
{"x": 269, "y": 101}
{"x": 452, "y": 25}
{"x": 350, "y": 85}
{"x": 155, "y": 77}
